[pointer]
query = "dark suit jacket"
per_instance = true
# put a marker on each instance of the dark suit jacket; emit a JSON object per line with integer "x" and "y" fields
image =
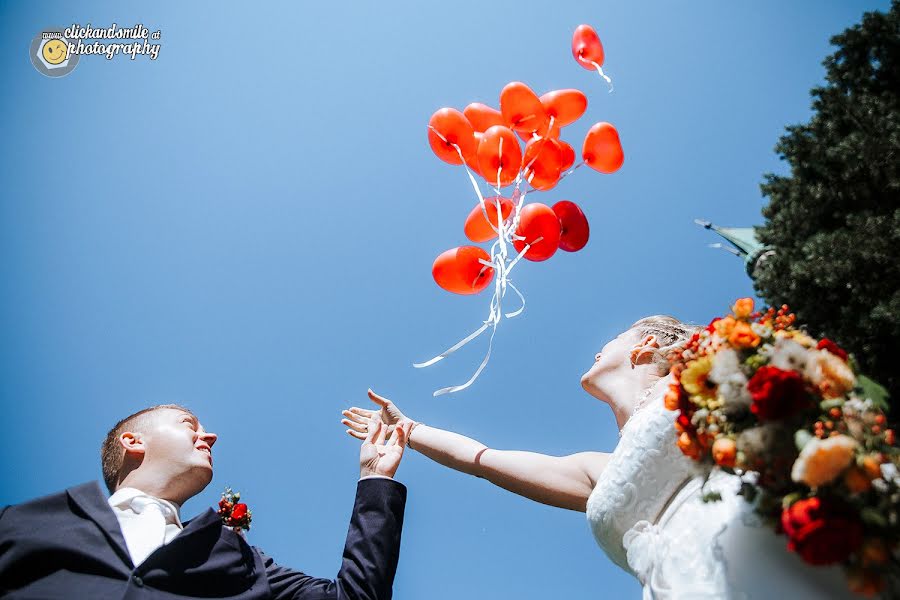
{"x": 70, "y": 545}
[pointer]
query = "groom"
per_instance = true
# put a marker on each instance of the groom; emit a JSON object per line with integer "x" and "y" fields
{"x": 79, "y": 544}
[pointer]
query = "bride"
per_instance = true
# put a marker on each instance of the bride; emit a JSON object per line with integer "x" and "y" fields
{"x": 643, "y": 501}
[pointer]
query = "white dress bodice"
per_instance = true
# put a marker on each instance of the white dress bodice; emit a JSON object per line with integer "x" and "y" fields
{"x": 647, "y": 514}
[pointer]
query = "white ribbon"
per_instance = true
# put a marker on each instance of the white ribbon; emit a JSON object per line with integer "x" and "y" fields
{"x": 502, "y": 264}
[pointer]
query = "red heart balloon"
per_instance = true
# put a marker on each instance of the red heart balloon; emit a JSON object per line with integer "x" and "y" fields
{"x": 482, "y": 116}
{"x": 460, "y": 271}
{"x": 536, "y": 221}
{"x": 574, "y": 229}
{"x": 447, "y": 127}
{"x": 568, "y": 155}
{"x": 521, "y": 108}
{"x": 565, "y": 106}
{"x": 499, "y": 150}
{"x": 542, "y": 163}
{"x": 477, "y": 228}
{"x": 586, "y": 47}
{"x": 602, "y": 150}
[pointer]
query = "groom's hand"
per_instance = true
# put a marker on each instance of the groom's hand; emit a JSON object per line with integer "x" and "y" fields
{"x": 377, "y": 457}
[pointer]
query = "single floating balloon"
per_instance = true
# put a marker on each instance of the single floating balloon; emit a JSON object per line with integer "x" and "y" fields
{"x": 477, "y": 228}
{"x": 499, "y": 151}
{"x": 459, "y": 270}
{"x": 602, "y": 150}
{"x": 586, "y": 47}
{"x": 447, "y": 127}
{"x": 521, "y": 108}
{"x": 588, "y": 51}
{"x": 564, "y": 106}
{"x": 482, "y": 116}
{"x": 574, "y": 229}
{"x": 539, "y": 225}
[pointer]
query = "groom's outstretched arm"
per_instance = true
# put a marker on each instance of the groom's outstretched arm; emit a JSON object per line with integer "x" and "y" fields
{"x": 372, "y": 549}
{"x": 371, "y": 552}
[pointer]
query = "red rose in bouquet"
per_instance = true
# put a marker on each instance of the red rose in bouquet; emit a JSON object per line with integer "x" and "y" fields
{"x": 239, "y": 511}
{"x": 821, "y": 532}
{"x": 826, "y": 344}
{"x": 776, "y": 393}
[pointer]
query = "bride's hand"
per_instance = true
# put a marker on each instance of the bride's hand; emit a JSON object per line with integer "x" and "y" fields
{"x": 356, "y": 419}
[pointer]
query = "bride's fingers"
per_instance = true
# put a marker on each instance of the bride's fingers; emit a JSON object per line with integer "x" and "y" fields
{"x": 356, "y": 434}
{"x": 379, "y": 400}
{"x": 354, "y": 425}
{"x": 355, "y": 417}
{"x": 365, "y": 413}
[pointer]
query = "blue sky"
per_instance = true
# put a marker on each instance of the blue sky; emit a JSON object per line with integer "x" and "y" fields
{"x": 247, "y": 224}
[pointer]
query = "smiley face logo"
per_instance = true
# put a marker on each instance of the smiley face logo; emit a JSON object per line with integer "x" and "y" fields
{"x": 54, "y": 52}
{"x": 50, "y": 53}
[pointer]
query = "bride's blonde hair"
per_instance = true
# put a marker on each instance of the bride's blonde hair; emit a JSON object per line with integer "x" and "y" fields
{"x": 671, "y": 334}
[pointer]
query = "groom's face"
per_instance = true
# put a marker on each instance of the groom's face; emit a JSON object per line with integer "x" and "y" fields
{"x": 179, "y": 444}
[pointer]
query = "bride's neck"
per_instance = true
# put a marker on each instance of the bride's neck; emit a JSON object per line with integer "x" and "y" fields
{"x": 625, "y": 392}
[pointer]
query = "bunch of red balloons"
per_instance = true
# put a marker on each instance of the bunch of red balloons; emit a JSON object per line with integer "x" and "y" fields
{"x": 519, "y": 145}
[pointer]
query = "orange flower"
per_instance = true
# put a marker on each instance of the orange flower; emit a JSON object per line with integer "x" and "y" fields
{"x": 743, "y": 308}
{"x": 872, "y": 466}
{"x": 874, "y": 552}
{"x": 857, "y": 481}
{"x": 743, "y": 336}
{"x": 831, "y": 374}
{"x": 687, "y": 446}
{"x": 673, "y": 395}
{"x": 821, "y": 461}
{"x": 724, "y": 451}
{"x": 865, "y": 582}
{"x": 724, "y": 326}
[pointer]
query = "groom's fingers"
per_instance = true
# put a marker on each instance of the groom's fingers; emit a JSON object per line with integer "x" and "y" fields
{"x": 382, "y": 432}
{"x": 374, "y": 430}
{"x": 399, "y": 438}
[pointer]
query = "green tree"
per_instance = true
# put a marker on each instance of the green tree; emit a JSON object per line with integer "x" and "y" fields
{"x": 834, "y": 222}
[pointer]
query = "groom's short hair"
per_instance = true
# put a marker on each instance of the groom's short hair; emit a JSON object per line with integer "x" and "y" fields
{"x": 112, "y": 455}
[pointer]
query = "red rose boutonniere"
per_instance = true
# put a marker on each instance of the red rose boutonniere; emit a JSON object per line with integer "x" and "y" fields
{"x": 234, "y": 513}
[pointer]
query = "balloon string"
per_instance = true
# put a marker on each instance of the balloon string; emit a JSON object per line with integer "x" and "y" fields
{"x": 603, "y": 75}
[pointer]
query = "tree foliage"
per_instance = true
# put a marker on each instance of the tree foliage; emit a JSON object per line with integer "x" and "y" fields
{"x": 834, "y": 222}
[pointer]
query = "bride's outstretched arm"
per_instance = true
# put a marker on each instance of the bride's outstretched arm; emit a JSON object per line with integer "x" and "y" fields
{"x": 562, "y": 481}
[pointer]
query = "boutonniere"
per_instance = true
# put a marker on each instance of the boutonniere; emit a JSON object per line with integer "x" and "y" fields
{"x": 234, "y": 513}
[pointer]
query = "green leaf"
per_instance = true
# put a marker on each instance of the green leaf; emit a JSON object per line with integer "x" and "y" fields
{"x": 874, "y": 391}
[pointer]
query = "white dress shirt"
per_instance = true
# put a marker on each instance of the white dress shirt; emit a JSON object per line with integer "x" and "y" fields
{"x": 147, "y": 522}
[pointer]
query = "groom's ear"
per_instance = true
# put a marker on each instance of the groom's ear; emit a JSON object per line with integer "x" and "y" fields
{"x": 133, "y": 443}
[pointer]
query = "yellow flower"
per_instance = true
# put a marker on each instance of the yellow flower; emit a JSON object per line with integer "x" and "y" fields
{"x": 742, "y": 308}
{"x": 821, "y": 461}
{"x": 743, "y": 336}
{"x": 695, "y": 378}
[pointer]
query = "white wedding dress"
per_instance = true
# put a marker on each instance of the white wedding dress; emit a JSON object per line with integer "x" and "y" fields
{"x": 647, "y": 514}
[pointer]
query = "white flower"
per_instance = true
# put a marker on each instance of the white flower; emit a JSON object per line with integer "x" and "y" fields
{"x": 788, "y": 355}
{"x": 889, "y": 472}
{"x": 726, "y": 373}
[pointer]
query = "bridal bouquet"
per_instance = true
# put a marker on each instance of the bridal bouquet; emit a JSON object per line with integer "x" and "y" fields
{"x": 759, "y": 398}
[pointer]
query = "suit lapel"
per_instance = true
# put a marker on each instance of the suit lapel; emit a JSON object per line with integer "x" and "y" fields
{"x": 93, "y": 502}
